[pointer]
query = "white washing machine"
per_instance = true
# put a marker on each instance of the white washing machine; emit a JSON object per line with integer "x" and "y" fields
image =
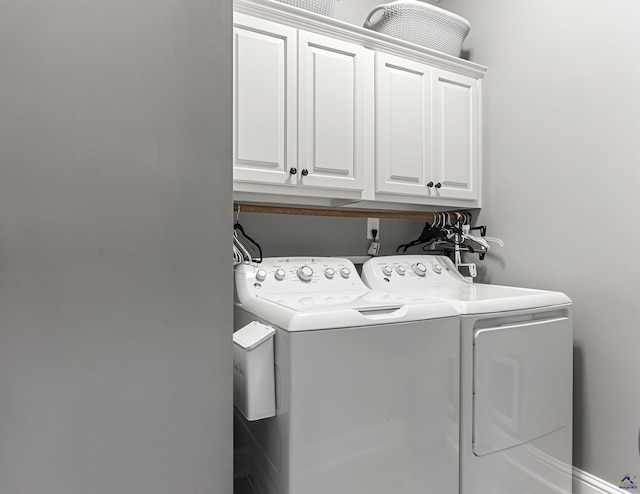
{"x": 367, "y": 383}
{"x": 516, "y": 375}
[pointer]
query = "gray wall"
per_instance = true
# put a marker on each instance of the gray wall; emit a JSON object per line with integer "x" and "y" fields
{"x": 115, "y": 299}
{"x": 282, "y": 235}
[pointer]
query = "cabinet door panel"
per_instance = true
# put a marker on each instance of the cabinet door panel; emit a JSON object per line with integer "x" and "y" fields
{"x": 403, "y": 125}
{"x": 331, "y": 108}
{"x": 456, "y": 135}
{"x": 264, "y": 101}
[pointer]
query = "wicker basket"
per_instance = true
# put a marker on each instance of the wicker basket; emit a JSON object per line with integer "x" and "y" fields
{"x": 421, "y": 23}
{"x": 322, "y": 7}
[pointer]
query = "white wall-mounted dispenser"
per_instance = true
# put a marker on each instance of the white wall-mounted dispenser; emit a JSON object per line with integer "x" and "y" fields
{"x": 253, "y": 371}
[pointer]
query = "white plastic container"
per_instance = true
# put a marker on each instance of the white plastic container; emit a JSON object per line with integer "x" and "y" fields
{"x": 253, "y": 371}
{"x": 420, "y": 23}
{"x": 322, "y": 7}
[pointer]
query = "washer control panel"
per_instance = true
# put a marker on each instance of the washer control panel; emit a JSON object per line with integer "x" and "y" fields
{"x": 299, "y": 274}
{"x": 419, "y": 271}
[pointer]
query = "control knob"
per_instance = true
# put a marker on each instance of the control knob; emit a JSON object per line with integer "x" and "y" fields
{"x": 387, "y": 271}
{"x": 280, "y": 274}
{"x": 401, "y": 270}
{"x": 419, "y": 269}
{"x": 437, "y": 269}
{"x": 329, "y": 273}
{"x": 305, "y": 273}
{"x": 345, "y": 272}
{"x": 261, "y": 275}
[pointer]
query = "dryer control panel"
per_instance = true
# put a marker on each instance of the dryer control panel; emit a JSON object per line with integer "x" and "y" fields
{"x": 417, "y": 271}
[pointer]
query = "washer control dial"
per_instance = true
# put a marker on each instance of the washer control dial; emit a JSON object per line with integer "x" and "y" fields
{"x": 345, "y": 272}
{"x": 329, "y": 273}
{"x": 401, "y": 270}
{"x": 419, "y": 269}
{"x": 387, "y": 271}
{"x": 437, "y": 269}
{"x": 280, "y": 274}
{"x": 305, "y": 273}
{"x": 261, "y": 275}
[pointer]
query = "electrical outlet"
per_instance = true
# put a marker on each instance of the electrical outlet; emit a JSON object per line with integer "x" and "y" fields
{"x": 373, "y": 224}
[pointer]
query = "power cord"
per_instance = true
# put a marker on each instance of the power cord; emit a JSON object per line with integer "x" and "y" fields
{"x": 374, "y": 247}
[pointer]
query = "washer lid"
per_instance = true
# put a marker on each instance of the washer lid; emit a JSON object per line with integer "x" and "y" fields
{"x": 362, "y": 300}
{"x": 306, "y": 312}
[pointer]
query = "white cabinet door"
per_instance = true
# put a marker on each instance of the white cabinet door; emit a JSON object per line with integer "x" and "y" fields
{"x": 403, "y": 126}
{"x": 455, "y": 109}
{"x": 264, "y": 113}
{"x": 332, "y": 80}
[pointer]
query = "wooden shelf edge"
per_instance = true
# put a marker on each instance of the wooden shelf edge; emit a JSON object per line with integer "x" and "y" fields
{"x": 340, "y": 213}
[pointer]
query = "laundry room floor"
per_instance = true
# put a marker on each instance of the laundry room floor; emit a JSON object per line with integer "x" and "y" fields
{"x": 243, "y": 486}
{"x": 242, "y": 480}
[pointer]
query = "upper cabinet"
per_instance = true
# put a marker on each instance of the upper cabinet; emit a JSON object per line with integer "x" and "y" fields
{"x": 331, "y": 103}
{"x": 456, "y": 135}
{"x": 326, "y": 113}
{"x": 264, "y": 113}
{"x": 299, "y": 102}
{"x": 427, "y": 132}
{"x": 404, "y": 139}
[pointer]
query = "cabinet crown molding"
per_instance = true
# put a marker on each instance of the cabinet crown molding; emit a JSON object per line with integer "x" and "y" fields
{"x": 302, "y": 19}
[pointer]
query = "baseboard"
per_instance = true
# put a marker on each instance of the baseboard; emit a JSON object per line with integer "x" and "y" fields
{"x": 585, "y": 483}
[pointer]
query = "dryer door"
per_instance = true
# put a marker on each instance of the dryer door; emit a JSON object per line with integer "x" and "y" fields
{"x": 522, "y": 380}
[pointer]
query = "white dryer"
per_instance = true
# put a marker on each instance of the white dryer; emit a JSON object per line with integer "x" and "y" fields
{"x": 367, "y": 383}
{"x": 516, "y": 374}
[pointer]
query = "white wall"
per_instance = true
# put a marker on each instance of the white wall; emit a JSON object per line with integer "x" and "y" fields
{"x": 282, "y": 235}
{"x": 355, "y": 11}
{"x": 115, "y": 299}
{"x": 562, "y": 174}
